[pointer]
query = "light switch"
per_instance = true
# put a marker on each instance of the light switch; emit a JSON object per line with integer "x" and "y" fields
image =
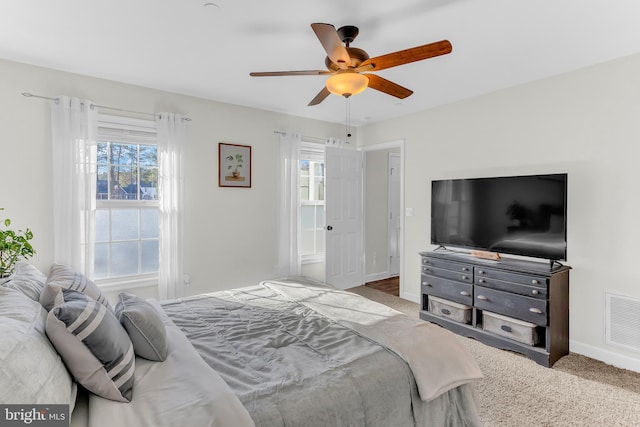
{"x": 408, "y": 211}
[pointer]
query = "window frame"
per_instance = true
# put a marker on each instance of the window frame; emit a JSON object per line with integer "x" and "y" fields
{"x": 131, "y": 131}
{"x": 315, "y": 153}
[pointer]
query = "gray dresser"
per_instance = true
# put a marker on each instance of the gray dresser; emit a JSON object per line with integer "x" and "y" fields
{"x": 513, "y": 304}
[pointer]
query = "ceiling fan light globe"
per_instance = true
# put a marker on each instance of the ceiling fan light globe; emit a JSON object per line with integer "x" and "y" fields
{"x": 347, "y": 84}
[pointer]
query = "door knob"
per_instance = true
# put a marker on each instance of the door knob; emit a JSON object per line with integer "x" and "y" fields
{"x": 329, "y": 228}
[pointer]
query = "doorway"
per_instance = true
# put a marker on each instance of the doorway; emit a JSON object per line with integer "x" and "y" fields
{"x": 383, "y": 219}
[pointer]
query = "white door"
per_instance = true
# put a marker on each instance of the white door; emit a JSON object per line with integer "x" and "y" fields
{"x": 344, "y": 252}
{"x": 394, "y": 228}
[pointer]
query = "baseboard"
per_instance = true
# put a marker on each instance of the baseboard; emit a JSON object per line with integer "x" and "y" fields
{"x": 376, "y": 276}
{"x": 411, "y": 297}
{"x": 606, "y": 356}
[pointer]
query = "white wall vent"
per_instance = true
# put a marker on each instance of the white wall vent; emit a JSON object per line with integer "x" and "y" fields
{"x": 622, "y": 321}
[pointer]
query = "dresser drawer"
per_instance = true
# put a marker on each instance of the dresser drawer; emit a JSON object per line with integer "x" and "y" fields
{"x": 518, "y": 306}
{"x": 517, "y": 288}
{"x": 448, "y": 274}
{"x": 507, "y": 276}
{"x": 448, "y": 265}
{"x": 454, "y": 291}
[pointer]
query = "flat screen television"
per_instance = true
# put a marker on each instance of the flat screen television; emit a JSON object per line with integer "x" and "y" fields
{"x": 518, "y": 215}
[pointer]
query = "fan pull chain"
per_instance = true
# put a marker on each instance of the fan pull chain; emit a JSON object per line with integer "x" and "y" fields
{"x": 348, "y": 119}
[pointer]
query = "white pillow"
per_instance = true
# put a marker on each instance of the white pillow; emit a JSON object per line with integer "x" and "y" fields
{"x": 26, "y": 279}
{"x": 31, "y": 371}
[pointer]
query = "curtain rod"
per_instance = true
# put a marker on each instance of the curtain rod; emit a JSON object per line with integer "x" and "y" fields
{"x": 310, "y": 138}
{"x": 30, "y": 95}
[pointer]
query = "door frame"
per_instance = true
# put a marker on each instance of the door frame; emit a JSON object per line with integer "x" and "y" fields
{"x": 399, "y": 143}
{"x": 391, "y": 187}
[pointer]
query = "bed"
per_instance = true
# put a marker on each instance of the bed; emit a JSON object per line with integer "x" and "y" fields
{"x": 292, "y": 352}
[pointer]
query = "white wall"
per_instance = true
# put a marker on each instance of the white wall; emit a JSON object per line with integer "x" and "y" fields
{"x": 585, "y": 123}
{"x": 230, "y": 233}
{"x": 376, "y": 186}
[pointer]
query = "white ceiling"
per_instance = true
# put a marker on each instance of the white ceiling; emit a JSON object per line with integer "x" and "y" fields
{"x": 208, "y": 51}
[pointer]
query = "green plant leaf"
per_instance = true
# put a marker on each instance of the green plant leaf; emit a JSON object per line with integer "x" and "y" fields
{"x": 14, "y": 245}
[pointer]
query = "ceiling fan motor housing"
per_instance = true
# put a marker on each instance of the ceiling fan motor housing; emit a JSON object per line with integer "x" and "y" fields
{"x": 358, "y": 56}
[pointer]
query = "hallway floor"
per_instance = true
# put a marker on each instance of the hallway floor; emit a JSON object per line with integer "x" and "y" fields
{"x": 389, "y": 286}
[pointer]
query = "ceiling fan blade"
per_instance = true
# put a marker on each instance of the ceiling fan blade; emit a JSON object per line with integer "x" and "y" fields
{"x": 332, "y": 44}
{"x": 290, "y": 73}
{"x": 406, "y": 56}
{"x": 320, "y": 96}
{"x": 387, "y": 86}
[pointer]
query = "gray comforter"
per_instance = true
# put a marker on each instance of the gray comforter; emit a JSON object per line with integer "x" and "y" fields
{"x": 290, "y": 365}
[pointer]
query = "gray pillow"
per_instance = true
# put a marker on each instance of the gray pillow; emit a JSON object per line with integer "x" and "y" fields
{"x": 61, "y": 278}
{"x": 144, "y": 326}
{"x": 93, "y": 345}
{"x": 26, "y": 279}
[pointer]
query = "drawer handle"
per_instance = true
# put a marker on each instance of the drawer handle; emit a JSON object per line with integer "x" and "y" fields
{"x": 445, "y": 311}
{"x": 481, "y": 272}
{"x": 425, "y": 269}
{"x": 482, "y": 297}
{"x": 426, "y": 284}
{"x": 481, "y": 281}
{"x": 535, "y": 292}
{"x": 465, "y": 277}
{"x": 535, "y": 310}
{"x": 506, "y": 328}
{"x": 465, "y": 269}
{"x": 535, "y": 282}
{"x": 465, "y": 293}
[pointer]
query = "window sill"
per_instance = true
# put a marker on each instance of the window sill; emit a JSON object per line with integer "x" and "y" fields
{"x": 126, "y": 283}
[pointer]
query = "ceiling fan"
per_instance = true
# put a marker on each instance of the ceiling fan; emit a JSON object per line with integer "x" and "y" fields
{"x": 346, "y": 65}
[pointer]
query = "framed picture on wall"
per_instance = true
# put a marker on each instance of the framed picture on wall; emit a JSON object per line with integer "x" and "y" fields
{"x": 234, "y": 165}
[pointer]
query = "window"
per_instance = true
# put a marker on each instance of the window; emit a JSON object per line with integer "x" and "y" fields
{"x": 312, "y": 186}
{"x": 127, "y": 210}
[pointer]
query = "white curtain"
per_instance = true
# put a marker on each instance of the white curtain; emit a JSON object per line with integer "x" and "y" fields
{"x": 74, "y": 127}
{"x": 170, "y": 128}
{"x": 288, "y": 258}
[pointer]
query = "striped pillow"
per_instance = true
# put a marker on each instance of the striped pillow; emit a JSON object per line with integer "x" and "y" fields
{"x": 93, "y": 345}
{"x": 60, "y": 278}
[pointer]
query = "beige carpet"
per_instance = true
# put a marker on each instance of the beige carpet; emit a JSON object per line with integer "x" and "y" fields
{"x": 577, "y": 391}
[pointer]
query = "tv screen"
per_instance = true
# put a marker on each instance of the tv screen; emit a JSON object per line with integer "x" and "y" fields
{"x": 519, "y": 215}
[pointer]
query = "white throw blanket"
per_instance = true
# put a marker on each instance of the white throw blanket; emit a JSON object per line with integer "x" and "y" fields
{"x": 438, "y": 360}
